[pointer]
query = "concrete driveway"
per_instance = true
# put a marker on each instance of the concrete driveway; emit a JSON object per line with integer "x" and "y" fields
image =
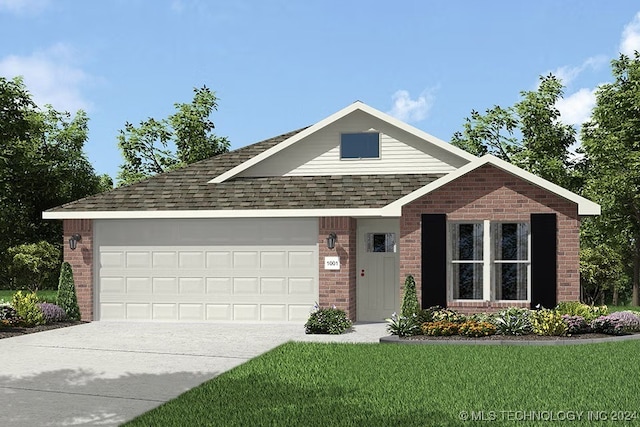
{"x": 105, "y": 373}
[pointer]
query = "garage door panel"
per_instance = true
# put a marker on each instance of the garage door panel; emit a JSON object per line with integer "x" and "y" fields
{"x": 245, "y": 285}
{"x": 139, "y": 285}
{"x": 220, "y": 259}
{"x": 165, "y": 259}
{"x": 219, "y": 285}
{"x": 275, "y": 279}
{"x": 302, "y": 259}
{"x": 165, "y": 285}
{"x": 273, "y": 285}
{"x": 138, "y": 311}
{"x": 112, "y": 259}
{"x": 191, "y": 285}
{"x": 193, "y": 259}
{"x": 164, "y": 311}
{"x": 246, "y": 259}
{"x": 219, "y": 312}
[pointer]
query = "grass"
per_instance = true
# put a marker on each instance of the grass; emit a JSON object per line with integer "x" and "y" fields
{"x": 43, "y": 295}
{"x": 405, "y": 385}
{"x": 614, "y": 308}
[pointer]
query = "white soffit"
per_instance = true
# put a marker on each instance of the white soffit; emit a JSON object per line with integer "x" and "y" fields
{"x": 358, "y": 105}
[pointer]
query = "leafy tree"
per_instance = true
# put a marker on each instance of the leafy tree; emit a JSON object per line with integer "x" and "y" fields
{"x": 67, "y": 298}
{"x": 611, "y": 141}
{"x": 528, "y": 134}
{"x": 148, "y": 149}
{"x": 601, "y": 270}
{"x": 32, "y": 264}
{"x": 42, "y": 165}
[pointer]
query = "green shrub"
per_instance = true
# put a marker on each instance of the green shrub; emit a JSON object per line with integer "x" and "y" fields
{"x": 67, "y": 299}
{"x": 410, "y": 306}
{"x": 548, "y": 322}
{"x": 402, "y": 326}
{"x": 26, "y": 305}
{"x": 426, "y": 315}
{"x": 513, "y": 321}
{"x": 31, "y": 265}
{"x": 327, "y": 321}
{"x": 587, "y": 312}
{"x": 472, "y": 328}
{"x": 441, "y": 328}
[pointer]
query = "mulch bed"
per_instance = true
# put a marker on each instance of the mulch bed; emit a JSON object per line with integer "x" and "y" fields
{"x": 8, "y": 332}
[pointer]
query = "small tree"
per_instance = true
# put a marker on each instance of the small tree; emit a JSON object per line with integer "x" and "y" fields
{"x": 31, "y": 265}
{"x": 67, "y": 293}
{"x": 410, "y": 304}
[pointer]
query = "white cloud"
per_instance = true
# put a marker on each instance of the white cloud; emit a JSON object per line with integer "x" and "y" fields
{"x": 630, "y": 41}
{"x": 23, "y": 6}
{"x": 51, "y": 76}
{"x": 576, "y": 108}
{"x": 568, "y": 73}
{"x": 411, "y": 110}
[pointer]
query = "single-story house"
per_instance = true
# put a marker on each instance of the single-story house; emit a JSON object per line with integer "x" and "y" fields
{"x": 337, "y": 213}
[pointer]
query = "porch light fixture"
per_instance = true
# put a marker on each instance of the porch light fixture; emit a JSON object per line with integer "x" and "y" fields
{"x": 331, "y": 240}
{"x": 73, "y": 241}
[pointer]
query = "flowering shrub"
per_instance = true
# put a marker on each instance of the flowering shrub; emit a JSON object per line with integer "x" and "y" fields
{"x": 607, "y": 325}
{"x": 547, "y": 322}
{"x": 576, "y": 308}
{"x": 575, "y": 324}
{"x": 402, "y": 326}
{"x": 513, "y": 321}
{"x": 8, "y": 316}
{"x": 473, "y": 328}
{"x": 630, "y": 320}
{"x": 27, "y": 308}
{"x": 327, "y": 321}
{"x": 52, "y": 313}
{"x": 440, "y": 328}
{"x": 448, "y": 315}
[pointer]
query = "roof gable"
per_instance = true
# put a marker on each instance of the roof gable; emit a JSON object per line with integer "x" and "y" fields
{"x": 353, "y": 109}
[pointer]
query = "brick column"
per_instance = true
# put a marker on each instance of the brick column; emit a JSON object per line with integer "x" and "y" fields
{"x": 81, "y": 260}
{"x": 338, "y": 287}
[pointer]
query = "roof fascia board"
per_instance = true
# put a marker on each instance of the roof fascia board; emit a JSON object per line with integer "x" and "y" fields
{"x": 585, "y": 207}
{"x": 250, "y": 213}
{"x": 358, "y": 105}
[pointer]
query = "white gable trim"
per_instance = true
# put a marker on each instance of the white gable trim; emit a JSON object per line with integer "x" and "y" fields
{"x": 333, "y": 118}
{"x": 585, "y": 206}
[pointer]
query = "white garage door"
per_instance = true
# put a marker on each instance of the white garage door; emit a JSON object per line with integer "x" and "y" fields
{"x": 242, "y": 269}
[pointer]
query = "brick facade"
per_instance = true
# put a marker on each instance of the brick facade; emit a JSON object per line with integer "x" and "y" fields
{"x": 338, "y": 287}
{"x": 490, "y": 193}
{"x": 81, "y": 260}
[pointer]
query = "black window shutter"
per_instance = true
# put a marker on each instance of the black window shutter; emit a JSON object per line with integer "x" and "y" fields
{"x": 434, "y": 260}
{"x": 543, "y": 260}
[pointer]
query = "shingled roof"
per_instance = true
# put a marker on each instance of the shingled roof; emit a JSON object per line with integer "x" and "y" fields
{"x": 188, "y": 188}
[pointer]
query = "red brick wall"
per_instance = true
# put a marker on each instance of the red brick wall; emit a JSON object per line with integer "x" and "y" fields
{"x": 490, "y": 193}
{"x": 81, "y": 260}
{"x": 338, "y": 287}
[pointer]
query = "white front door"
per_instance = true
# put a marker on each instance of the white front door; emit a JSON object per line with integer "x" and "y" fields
{"x": 378, "y": 284}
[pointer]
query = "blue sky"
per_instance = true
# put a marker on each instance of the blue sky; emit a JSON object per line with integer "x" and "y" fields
{"x": 280, "y": 65}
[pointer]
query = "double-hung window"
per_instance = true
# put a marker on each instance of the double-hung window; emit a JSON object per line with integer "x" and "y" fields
{"x": 489, "y": 261}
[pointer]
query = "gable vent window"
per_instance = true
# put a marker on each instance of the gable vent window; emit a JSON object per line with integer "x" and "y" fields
{"x": 364, "y": 145}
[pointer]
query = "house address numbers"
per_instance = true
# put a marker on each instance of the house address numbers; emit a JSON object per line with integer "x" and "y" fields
{"x": 332, "y": 263}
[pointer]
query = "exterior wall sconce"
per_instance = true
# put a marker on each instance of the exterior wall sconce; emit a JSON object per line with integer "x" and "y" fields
{"x": 331, "y": 240}
{"x": 73, "y": 241}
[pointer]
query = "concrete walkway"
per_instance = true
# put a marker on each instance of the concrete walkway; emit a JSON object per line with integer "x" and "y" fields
{"x": 105, "y": 373}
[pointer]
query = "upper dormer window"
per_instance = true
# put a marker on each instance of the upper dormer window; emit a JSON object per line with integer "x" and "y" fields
{"x": 364, "y": 145}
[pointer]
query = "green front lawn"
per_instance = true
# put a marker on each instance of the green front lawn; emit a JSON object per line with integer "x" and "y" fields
{"x": 43, "y": 295}
{"x": 315, "y": 384}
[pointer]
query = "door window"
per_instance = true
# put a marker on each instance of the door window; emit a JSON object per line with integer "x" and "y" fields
{"x": 381, "y": 242}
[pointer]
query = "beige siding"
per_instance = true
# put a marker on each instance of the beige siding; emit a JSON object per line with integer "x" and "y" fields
{"x": 319, "y": 154}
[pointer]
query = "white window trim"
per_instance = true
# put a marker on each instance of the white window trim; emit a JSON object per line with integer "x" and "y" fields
{"x": 488, "y": 262}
